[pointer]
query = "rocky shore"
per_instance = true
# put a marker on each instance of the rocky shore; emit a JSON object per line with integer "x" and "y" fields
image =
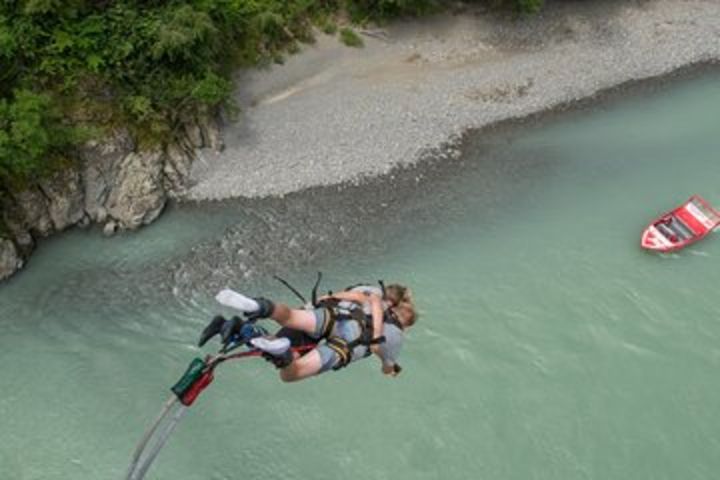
{"x": 115, "y": 185}
{"x": 334, "y": 114}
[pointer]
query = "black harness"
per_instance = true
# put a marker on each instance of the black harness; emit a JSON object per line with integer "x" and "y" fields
{"x": 345, "y": 348}
{"x": 333, "y": 314}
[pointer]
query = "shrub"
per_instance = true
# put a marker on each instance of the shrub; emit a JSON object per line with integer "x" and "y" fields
{"x": 146, "y": 65}
{"x": 32, "y": 135}
{"x": 528, "y": 6}
{"x": 350, "y": 38}
{"x": 362, "y": 10}
{"x": 327, "y": 26}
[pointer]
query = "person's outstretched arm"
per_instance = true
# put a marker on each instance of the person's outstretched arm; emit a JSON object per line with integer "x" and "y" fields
{"x": 376, "y": 310}
{"x": 349, "y": 296}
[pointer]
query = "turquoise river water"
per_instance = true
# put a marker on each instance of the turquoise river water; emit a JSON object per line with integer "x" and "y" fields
{"x": 549, "y": 347}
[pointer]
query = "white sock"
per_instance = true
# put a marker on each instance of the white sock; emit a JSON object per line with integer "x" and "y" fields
{"x": 233, "y": 299}
{"x": 273, "y": 346}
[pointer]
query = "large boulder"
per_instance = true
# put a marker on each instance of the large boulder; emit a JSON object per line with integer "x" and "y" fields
{"x": 137, "y": 195}
{"x": 65, "y": 197}
{"x": 115, "y": 186}
{"x": 12, "y": 224}
{"x": 178, "y": 161}
{"x": 204, "y": 131}
{"x": 194, "y": 133}
{"x": 10, "y": 259}
{"x": 101, "y": 161}
{"x": 31, "y": 209}
{"x": 213, "y": 134}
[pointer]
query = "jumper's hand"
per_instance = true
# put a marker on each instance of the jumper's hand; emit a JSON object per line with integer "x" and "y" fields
{"x": 391, "y": 370}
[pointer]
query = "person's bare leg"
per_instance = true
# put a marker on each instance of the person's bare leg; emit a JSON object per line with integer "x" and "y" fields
{"x": 303, "y": 320}
{"x": 302, "y": 367}
{"x": 294, "y": 318}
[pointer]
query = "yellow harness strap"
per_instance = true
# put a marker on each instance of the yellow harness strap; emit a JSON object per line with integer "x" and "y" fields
{"x": 342, "y": 348}
{"x": 328, "y": 323}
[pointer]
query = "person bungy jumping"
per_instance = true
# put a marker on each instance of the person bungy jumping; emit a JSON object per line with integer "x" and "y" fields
{"x": 345, "y": 326}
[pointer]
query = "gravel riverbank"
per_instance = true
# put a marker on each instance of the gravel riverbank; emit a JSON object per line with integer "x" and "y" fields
{"x": 334, "y": 114}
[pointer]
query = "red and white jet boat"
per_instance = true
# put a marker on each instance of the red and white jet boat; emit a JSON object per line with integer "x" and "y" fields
{"x": 681, "y": 227}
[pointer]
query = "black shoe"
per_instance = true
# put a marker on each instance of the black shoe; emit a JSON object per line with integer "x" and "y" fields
{"x": 213, "y": 328}
{"x": 230, "y": 329}
{"x": 265, "y": 310}
{"x": 275, "y": 350}
{"x": 280, "y": 361}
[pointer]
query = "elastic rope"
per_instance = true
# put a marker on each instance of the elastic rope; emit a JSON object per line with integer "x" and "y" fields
{"x": 157, "y": 435}
{"x": 149, "y": 433}
{"x": 162, "y": 438}
{"x": 291, "y": 288}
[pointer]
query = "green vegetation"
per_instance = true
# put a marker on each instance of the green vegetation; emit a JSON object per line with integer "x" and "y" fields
{"x": 33, "y": 135}
{"x": 327, "y": 25}
{"x": 363, "y": 10}
{"x": 528, "y": 6}
{"x": 350, "y": 38}
{"x": 146, "y": 65}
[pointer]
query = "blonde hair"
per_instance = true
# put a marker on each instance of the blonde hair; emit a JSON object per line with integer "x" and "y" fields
{"x": 401, "y": 300}
{"x": 407, "y": 312}
{"x": 397, "y": 294}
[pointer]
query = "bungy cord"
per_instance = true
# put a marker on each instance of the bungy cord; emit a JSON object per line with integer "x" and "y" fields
{"x": 173, "y": 411}
{"x": 156, "y": 437}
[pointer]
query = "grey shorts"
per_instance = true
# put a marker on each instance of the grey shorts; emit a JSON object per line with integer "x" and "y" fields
{"x": 346, "y": 329}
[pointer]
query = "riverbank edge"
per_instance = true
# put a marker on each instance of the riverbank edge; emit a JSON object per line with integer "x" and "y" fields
{"x": 451, "y": 149}
{"x": 114, "y": 184}
{"x": 449, "y": 154}
{"x": 131, "y": 188}
{"x": 330, "y": 115}
{"x": 615, "y": 93}
{"x": 13, "y": 259}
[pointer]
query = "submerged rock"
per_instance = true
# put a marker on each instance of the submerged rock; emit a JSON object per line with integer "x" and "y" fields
{"x": 110, "y": 228}
{"x": 84, "y": 222}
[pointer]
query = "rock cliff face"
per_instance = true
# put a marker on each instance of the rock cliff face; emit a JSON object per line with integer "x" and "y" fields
{"x": 10, "y": 260}
{"x": 115, "y": 185}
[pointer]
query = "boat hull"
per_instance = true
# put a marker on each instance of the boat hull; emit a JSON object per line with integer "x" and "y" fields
{"x": 680, "y": 227}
